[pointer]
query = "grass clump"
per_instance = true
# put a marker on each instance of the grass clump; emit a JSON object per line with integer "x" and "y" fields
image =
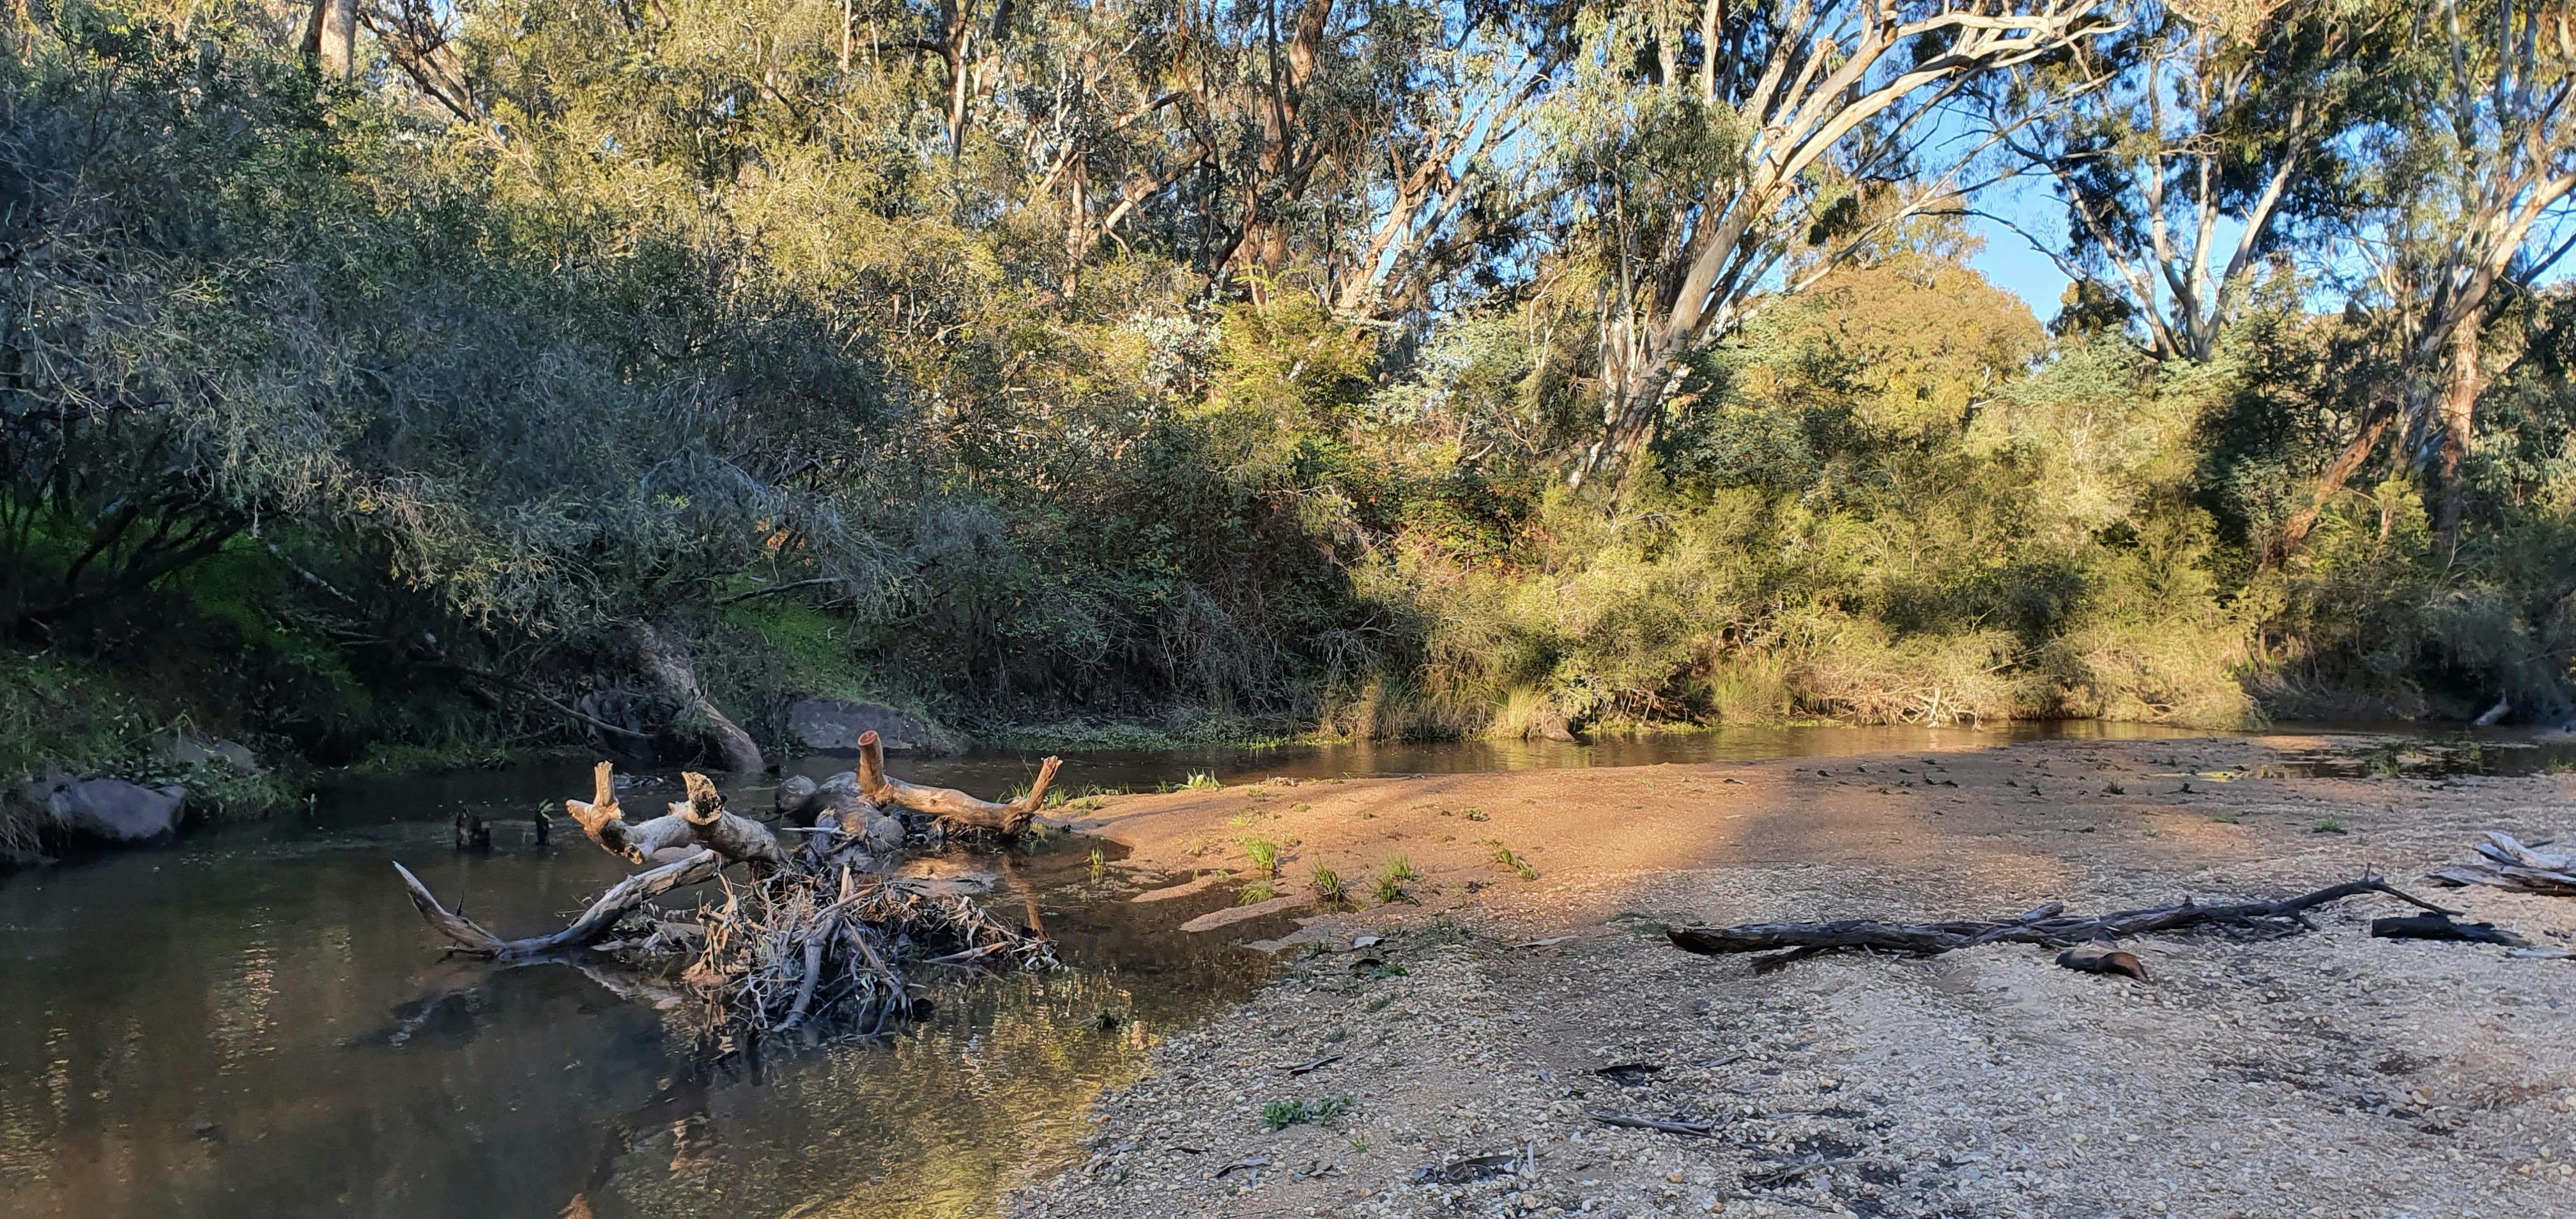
{"x": 1328, "y": 884}
{"x": 1200, "y": 781}
{"x": 1281, "y": 1114}
{"x": 1263, "y": 854}
{"x": 2328, "y": 825}
{"x": 1391, "y": 877}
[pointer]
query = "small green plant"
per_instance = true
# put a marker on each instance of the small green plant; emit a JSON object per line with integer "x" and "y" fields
{"x": 1400, "y": 867}
{"x": 1328, "y": 884}
{"x": 2113, "y": 788}
{"x": 1201, "y": 781}
{"x": 1391, "y": 969}
{"x": 2328, "y": 826}
{"x": 1256, "y": 893}
{"x": 1357, "y": 1140}
{"x": 1263, "y": 853}
{"x": 1099, "y": 865}
{"x": 1387, "y": 889}
{"x": 1504, "y": 858}
{"x": 1281, "y": 1114}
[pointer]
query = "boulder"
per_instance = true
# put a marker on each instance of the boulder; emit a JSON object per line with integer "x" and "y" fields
{"x": 832, "y": 725}
{"x": 112, "y": 810}
{"x": 188, "y": 751}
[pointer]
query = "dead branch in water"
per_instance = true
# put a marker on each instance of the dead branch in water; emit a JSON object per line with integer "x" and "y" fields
{"x": 820, "y": 937}
{"x": 2048, "y": 925}
{"x": 594, "y": 924}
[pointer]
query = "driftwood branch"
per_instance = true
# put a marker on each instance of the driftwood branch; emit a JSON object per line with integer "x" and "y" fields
{"x": 594, "y": 924}
{"x": 2508, "y": 863}
{"x": 950, "y": 806}
{"x": 699, "y": 822}
{"x": 2049, "y": 925}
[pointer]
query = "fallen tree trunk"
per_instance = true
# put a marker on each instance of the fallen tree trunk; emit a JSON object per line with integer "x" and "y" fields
{"x": 950, "y": 806}
{"x": 2507, "y": 863}
{"x": 2048, "y": 925}
{"x": 594, "y": 924}
{"x": 668, "y": 665}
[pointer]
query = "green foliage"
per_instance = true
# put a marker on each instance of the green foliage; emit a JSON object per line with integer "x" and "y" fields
{"x": 1505, "y": 858}
{"x": 412, "y": 394}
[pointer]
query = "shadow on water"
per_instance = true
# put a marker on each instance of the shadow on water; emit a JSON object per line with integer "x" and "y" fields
{"x": 256, "y": 1023}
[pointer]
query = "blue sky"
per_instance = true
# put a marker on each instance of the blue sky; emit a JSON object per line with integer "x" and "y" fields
{"x": 2008, "y": 261}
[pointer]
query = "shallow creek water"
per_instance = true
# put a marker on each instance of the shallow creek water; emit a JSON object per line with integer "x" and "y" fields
{"x": 255, "y": 1023}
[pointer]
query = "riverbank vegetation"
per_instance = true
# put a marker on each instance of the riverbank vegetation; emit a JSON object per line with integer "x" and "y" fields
{"x": 369, "y": 367}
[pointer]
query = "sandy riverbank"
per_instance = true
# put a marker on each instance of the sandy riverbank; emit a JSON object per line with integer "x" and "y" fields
{"x": 2323, "y": 1074}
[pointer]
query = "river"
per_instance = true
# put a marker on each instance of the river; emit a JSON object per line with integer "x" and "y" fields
{"x": 255, "y": 1023}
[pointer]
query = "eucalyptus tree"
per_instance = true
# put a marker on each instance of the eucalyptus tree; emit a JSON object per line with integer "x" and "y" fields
{"x": 1345, "y": 142}
{"x": 2471, "y": 199}
{"x": 2182, "y": 145}
{"x": 1704, "y": 149}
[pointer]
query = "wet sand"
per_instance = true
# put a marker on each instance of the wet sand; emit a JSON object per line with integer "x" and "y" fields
{"x": 2327, "y": 1073}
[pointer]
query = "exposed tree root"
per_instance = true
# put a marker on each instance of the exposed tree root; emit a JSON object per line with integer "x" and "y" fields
{"x": 2048, "y": 925}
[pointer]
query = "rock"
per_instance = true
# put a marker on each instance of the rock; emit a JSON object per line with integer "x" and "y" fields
{"x": 884, "y": 834}
{"x": 1184, "y": 889}
{"x": 189, "y": 751}
{"x": 109, "y": 809}
{"x": 1237, "y": 914}
{"x": 831, "y": 725}
{"x": 794, "y": 793}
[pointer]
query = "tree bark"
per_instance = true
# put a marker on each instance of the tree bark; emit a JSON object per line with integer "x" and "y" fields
{"x": 2462, "y": 379}
{"x": 2294, "y": 531}
{"x": 338, "y": 39}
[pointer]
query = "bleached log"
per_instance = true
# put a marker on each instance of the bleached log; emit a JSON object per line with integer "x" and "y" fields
{"x": 2506, "y": 862}
{"x": 697, "y": 822}
{"x": 950, "y": 806}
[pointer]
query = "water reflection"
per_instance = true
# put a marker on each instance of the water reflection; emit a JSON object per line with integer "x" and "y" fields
{"x": 256, "y": 1024}
{"x": 1147, "y": 769}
